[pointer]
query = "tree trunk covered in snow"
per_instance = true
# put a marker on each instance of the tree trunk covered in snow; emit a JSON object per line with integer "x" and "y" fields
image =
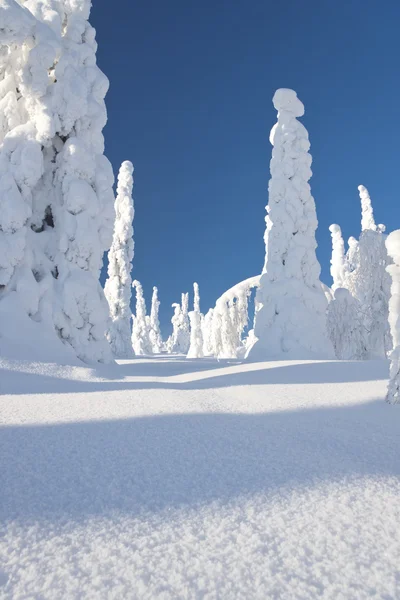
{"x": 290, "y": 319}
{"x": 56, "y": 193}
{"x": 118, "y": 287}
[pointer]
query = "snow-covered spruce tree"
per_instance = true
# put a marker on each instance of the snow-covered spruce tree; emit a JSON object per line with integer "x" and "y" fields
{"x": 369, "y": 282}
{"x": 196, "y": 335}
{"x": 28, "y": 51}
{"x": 206, "y": 329}
{"x": 229, "y": 329}
{"x": 345, "y": 326}
{"x": 140, "y": 328}
{"x": 118, "y": 287}
{"x": 179, "y": 341}
{"x": 290, "y": 319}
{"x": 155, "y": 333}
{"x": 172, "y": 341}
{"x": 61, "y": 194}
{"x": 393, "y": 249}
{"x": 338, "y": 260}
{"x": 84, "y": 213}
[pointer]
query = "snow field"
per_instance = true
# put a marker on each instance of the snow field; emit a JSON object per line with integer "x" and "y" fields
{"x": 177, "y": 478}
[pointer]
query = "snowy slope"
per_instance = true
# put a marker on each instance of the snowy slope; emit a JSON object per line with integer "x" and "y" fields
{"x": 171, "y": 478}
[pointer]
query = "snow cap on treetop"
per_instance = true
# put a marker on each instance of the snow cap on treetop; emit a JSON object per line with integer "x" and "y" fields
{"x": 287, "y": 100}
{"x": 127, "y": 166}
{"x": 335, "y": 228}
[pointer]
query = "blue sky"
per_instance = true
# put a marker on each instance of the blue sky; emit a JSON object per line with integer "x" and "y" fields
{"x": 190, "y": 105}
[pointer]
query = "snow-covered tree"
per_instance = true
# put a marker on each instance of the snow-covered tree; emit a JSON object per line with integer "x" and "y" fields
{"x": 338, "y": 260}
{"x": 140, "y": 328}
{"x": 352, "y": 255}
{"x": 368, "y": 280}
{"x": 178, "y": 342}
{"x": 155, "y": 332}
{"x": 345, "y": 326}
{"x": 56, "y": 195}
{"x": 206, "y": 329}
{"x": 393, "y": 248}
{"x": 118, "y": 287}
{"x": 290, "y": 319}
{"x": 367, "y": 213}
{"x": 196, "y": 335}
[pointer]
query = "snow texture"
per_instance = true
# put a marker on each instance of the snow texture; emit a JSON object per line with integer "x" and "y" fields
{"x": 141, "y": 324}
{"x": 118, "y": 287}
{"x": 290, "y": 318}
{"x": 172, "y": 479}
{"x": 196, "y": 334}
{"x": 393, "y": 248}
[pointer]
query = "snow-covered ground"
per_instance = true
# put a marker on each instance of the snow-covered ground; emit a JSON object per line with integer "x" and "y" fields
{"x": 171, "y": 478}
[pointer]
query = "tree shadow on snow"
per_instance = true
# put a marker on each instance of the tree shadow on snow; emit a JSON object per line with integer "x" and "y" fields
{"x": 74, "y": 471}
{"x": 205, "y": 376}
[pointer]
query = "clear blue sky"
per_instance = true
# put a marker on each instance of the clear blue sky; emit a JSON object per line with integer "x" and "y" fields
{"x": 190, "y": 105}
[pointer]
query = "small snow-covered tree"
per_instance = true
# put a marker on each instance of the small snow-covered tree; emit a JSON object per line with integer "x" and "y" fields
{"x": 196, "y": 335}
{"x": 369, "y": 282}
{"x": 207, "y": 333}
{"x": 338, "y": 260}
{"x": 290, "y": 319}
{"x": 155, "y": 332}
{"x": 140, "y": 329}
{"x": 172, "y": 341}
{"x": 118, "y": 287}
{"x": 345, "y": 326}
{"x": 393, "y": 248}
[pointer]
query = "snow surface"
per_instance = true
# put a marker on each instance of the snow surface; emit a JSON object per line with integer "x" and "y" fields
{"x": 175, "y": 478}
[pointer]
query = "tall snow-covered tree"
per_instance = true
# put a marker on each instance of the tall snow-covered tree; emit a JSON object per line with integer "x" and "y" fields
{"x": 118, "y": 287}
{"x": 29, "y": 50}
{"x": 338, "y": 260}
{"x": 140, "y": 328}
{"x": 393, "y": 249}
{"x": 290, "y": 320}
{"x": 155, "y": 332}
{"x": 83, "y": 178}
{"x": 56, "y": 193}
{"x": 196, "y": 335}
{"x": 345, "y": 326}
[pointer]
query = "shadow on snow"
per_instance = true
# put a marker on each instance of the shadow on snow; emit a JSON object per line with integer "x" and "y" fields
{"x": 74, "y": 471}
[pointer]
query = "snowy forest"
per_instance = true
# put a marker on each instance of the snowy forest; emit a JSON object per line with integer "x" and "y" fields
{"x": 229, "y": 446}
{"x": 59, "y": 215}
